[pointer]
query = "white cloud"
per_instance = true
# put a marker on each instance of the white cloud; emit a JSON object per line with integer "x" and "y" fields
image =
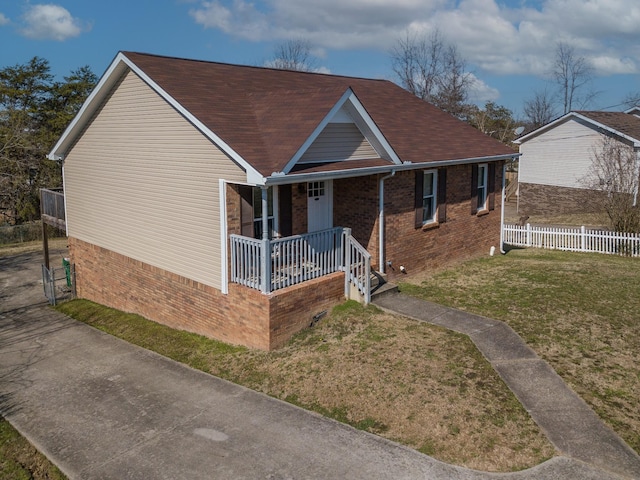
{"x": 497, "y": 36}
{"x": 3, "y": 20}
{"x": 481, "y": 93}
{"x": 50, "y": 22}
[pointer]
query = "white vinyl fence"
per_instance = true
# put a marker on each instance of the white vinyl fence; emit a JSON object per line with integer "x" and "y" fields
{"x": 579, "y": 239}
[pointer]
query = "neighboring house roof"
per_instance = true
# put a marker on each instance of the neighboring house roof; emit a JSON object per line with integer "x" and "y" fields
{"x": 264, "y": 118}
{"x": 622, "y": 124}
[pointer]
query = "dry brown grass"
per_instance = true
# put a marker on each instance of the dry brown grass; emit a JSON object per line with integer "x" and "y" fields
{"x": 580, "y": 312}
{"x": 593, "y": 220}
{"x": 417, "y": 384}
{"x": 26, "y": 247}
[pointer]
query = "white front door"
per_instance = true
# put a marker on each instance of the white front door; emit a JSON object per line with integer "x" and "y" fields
{"x": 319, "y": 205}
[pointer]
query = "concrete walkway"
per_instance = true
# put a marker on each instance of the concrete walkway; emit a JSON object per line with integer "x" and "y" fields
{"x": 101, "y": 408}
{"x": 568, "y": 422}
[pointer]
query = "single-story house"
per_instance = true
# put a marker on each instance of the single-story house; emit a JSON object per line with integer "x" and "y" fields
{"x": 556, "y": 159}
{"x": 242, "y": 202}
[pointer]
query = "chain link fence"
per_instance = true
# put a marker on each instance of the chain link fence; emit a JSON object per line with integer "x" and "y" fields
{"x": 28, "y": 232}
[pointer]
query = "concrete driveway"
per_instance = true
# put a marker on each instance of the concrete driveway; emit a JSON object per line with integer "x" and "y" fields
{"x": 101, "y": 408}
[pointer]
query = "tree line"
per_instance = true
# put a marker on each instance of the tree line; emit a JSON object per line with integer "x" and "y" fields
{"x": 34, "y": 111}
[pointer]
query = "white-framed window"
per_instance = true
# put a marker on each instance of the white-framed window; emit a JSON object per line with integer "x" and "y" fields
{"x": 429, "y": 196}
{"x": 482, "y": 186}
{"x": 315, "y": 189}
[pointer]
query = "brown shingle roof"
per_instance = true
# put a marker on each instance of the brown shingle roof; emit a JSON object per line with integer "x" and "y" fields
{"x": 620, "y": 121}
{"x": 265, "y": 115}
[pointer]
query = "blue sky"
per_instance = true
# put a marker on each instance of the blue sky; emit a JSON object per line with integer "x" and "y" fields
{"x": 508, "y": 44}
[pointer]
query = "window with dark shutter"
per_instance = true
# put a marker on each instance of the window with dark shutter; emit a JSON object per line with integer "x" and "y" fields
{"x": 442, "y": 195}
{"x": 492, "y": 186}
{"x": 418, "y": 198}
{"x": 286, "y": 210}
{"x": 474, "y": 189}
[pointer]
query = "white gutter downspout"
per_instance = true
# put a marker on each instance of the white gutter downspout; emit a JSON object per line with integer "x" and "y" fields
{"x": 504, "y": 174}
{"x": 381, "y": 221}
{"x": 636, "y": 180}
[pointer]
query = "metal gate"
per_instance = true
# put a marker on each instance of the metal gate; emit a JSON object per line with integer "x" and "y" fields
{"x": 59, "y": 283}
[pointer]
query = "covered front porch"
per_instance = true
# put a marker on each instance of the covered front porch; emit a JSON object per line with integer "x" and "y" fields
{"x": 283, "y": 235}
{"x": 271, "y": 265}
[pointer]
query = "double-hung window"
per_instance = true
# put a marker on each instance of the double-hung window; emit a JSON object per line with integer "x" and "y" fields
{"x": 429, "y": 196}
{"x": 482, "y": 186}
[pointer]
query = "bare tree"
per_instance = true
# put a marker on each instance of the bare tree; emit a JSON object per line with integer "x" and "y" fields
{"x": 539, "y": 110}
{"x": 294, "y": 55}
{"x": 432, "y": 70}
{"x": 632, "y": 100}
{"x": 572, "y": 73}
{"x": 615, "y": 171}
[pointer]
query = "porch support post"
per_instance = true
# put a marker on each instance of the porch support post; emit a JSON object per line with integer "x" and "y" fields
{"x": 265, "y": 266}
{"x": 381, "y": 239}
{"x": 346, "y": 241}
{"x": 265, "y": 212}
{"x": 265, "y": 258}
{"x": 504, "y": 189}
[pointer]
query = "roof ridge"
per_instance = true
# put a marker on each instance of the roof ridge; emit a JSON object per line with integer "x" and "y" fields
{"x": 257, "y": 67}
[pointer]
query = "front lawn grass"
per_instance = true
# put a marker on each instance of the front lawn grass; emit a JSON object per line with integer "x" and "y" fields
{"x": 580, "y": 312}
{"x": 417, "y": 384}
{"x": 19, "y": 460}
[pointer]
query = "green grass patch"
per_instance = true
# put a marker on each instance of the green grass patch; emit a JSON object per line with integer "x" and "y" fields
{"x": 580, "y": 312}
{"x": 19, "y": 460}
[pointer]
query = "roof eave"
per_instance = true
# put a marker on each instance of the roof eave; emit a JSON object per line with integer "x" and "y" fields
{"x": 584, "y": 118}
{"x": 93, "y": 101}
{"x": 102, "y": 89}
{"x": 282, "y": 179}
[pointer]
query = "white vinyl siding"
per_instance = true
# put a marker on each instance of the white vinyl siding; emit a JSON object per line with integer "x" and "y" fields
{"x": 560, "y": 157}
{"x": 339, "y": 141}
{"x": 143, "y": 182}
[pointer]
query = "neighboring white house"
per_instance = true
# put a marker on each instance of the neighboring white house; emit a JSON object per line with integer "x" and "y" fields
{"x": 556, "y": 159}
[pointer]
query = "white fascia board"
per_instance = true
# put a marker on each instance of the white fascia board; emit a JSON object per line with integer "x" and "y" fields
{"x": 363, "y": 172}
{"x": 602, "y": 126}
{"x": 251, "y": 172}
{"x": 88, "y": 107}
{"x": 373, "y": 128}
{"x": 350, "y": 97}
{"x": 598, "y": 125}
{"x": 108, "y": 80}
{"x": 542, "y": 129}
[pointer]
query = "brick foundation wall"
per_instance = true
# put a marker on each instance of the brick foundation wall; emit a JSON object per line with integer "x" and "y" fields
{"x": 538, "y": 199}
{"x": 243, "y": 317}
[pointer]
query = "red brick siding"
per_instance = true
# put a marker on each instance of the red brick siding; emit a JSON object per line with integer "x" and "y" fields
{"x": 243, "y": 317}
{"x": 355, "y": 205}
{"x": 463, "y": 235}
{"x": 299, "y": 218}
{"x": 538, "y": 199}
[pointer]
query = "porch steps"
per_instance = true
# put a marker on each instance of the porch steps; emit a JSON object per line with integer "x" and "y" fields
{"x": 380, "y": 286}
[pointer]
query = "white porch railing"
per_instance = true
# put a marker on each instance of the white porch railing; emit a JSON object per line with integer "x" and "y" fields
{"x": 358, "y": 271}
{"x": 270, "y": 265}
{"x": 579, "y": 239}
